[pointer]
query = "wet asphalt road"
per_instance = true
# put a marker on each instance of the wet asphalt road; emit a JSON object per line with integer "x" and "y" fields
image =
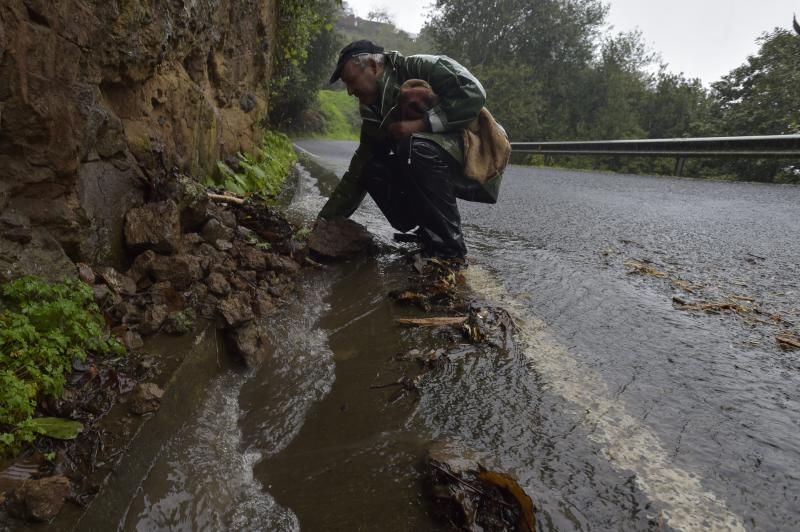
{"x": 699, "y": 412}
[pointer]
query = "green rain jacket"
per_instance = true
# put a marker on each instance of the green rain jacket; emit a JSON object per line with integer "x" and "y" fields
{"x": 461, "y": 98}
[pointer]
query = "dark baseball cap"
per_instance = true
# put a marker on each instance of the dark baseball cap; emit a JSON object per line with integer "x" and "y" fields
{"x": 353, "y": 49}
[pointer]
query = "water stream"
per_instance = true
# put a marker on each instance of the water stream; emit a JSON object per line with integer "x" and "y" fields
{"x": 615, "y": 411}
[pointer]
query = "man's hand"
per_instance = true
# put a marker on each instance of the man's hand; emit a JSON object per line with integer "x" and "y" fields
{"x": 404, "y": 128}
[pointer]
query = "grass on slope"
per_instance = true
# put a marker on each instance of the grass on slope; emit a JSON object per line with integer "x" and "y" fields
{"x": 340, "y": 116}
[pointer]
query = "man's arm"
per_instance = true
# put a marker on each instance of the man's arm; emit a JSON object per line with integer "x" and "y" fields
{"x": 461, "y": 95}
{"x": 346, "y": 197}
{"x": 349, "y": 193}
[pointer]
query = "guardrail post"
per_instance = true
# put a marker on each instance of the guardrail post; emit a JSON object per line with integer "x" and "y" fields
{"x": 679, "y": 162}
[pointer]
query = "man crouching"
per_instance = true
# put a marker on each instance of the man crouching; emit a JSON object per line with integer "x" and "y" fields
{"x": 411, "y": 155}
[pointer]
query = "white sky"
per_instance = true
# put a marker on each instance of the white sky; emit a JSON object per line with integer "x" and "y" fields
{"x": 701, "y": 38}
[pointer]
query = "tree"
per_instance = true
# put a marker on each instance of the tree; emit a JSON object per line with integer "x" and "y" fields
{"x": 676, "y": 107}
{"x": 307, "y": 48}
{"x": 553, "y": 39}
{"x": 380, "y": 15}
{"x": 761, "y": 97}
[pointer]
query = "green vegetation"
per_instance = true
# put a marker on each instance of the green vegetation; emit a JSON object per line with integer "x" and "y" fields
{"x": 339, "y": 115}
{"x": 380, "y": 28}
{"x": 551, "y": 74}
{"x": 261, "y": 173}
{"x": 761, "y": 97}
{"x": 43, "y": 328}
{"x": 306, "y": 46}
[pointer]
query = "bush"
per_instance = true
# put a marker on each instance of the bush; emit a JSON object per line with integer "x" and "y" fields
{"x": 43, "y": 328}
{"x": 341, "y": 118}
{"x": 261, "y": 173}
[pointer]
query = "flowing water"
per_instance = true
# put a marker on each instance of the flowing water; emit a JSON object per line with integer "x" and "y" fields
{"x": 616, "y": 410}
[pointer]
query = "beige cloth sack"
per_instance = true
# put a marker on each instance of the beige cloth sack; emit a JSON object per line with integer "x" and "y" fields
{"x": 486, "y": 148}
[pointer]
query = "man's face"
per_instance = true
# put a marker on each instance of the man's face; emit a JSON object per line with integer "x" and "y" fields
{"x": 362, "y": 82}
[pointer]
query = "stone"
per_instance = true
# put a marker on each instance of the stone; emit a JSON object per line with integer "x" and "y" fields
{"x": 163, "y": 293}
{"x": 146, "y": 398}
{"x": 125, "y": 312}
{"x": 244, "y": 233}
{"x": 10, "y": 218}
{"x": 263, "y": 304}
{"x": 154, "y": 226}
{"x": 236, "y": 309}
{"x": 180, "y": 270}
{"x": 192, "y": 201}
{"x": 214, "y": 231}
{"x": 119, "y": 283}
{"x": 192, "y": 239}
{"x": 180, "y": 322}
{"x": 240, "y": 283}
{"x": 39, "y": 500}
{"x": 43, "y": 257}
{"x": 104, "y": 296}
{"x": 339, "y": 239}
{"x": 103, "y": 103}
{"x": 142, "y": 266}
{"x": 281, "y": 264}
{"x": 21, "y": 235}
{"x": 225, "y": 216}
{"x": 251, "y": 258}
{"x": 217, "y": 284}
{"x": 251, "y": 342}
{"x": 86, "y": 273}
{"x": 132, "y": 340}
{"x": 223, "y": 245}
{"x": 152, "y": 319}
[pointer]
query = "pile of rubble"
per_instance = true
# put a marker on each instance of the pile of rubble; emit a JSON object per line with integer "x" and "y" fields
{"x": 235, "y": 264}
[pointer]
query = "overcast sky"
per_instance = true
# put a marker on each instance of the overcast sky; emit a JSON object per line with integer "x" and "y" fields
{"x": 701, "y": 38}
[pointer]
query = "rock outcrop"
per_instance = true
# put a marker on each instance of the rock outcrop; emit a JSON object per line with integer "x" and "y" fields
{"x": 100, "y": 101}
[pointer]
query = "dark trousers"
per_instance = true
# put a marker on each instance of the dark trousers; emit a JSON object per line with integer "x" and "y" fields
{"x": 415, "y": 187}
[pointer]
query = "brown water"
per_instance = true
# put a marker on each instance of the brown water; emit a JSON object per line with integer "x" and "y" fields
{"x": 616, "y": 411}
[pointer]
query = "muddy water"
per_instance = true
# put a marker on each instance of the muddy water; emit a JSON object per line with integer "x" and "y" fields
{"x": 616, "y": 411}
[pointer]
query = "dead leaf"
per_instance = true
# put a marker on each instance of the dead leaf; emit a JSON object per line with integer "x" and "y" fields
{"x": 507, "y": 483}
{"x": 788, "y": 341}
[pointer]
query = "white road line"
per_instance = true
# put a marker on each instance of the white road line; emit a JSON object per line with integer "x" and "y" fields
{"x": 626, "y": 442}
{"x": 305, "y": 151}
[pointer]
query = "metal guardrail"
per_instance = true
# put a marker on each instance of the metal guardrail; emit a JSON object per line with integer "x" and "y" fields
{"x": 770, "y": 146}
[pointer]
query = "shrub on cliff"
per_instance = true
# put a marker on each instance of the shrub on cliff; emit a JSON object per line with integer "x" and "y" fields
{"x": 43, "y": 328}
{"x": 262, "y": 172}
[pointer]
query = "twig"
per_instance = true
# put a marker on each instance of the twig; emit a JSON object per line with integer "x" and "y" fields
{"x": 314, "y": 263}
{"x": 432, "y": 322}
{"x": 398, "y": 382}
{"x": 788, "y": 341}
{"x": 471, "y": 487}
{"x": 226, "y": 198}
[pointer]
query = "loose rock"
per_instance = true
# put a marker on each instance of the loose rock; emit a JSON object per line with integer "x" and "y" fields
{"x": 154, "y": 226}
{"x": 339, "y": 239}
{"x": 146, "y": 398}
{"x": 250, "y": 342}
{"x": 236, "y": 309}
{"x": 39, "y": 500}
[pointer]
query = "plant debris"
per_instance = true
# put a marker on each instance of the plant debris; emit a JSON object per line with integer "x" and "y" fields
{"x": 432, "y": 322}
{"x": 644, "y": 267}
{"x": 472, "y": 497}
{"x": 788, "y": 341}
{"x": 714, "y": 306}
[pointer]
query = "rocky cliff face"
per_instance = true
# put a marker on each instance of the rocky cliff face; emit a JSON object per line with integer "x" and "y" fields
{"x": 101, "y": 99}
